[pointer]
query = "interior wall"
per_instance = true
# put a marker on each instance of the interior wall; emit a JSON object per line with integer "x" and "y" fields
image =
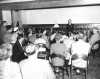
{"x": 6, "y": 16}
{"x": 88, "y": 14}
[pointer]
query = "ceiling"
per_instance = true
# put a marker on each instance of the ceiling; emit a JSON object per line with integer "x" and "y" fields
{"x": 11, "y": 1}
{"x": 41, "y": 4}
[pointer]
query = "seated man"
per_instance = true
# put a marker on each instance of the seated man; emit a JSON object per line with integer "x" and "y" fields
{"x": 59, "y": 49}
{"x": 18, "y": 51}
{"x": 58, "y": 57}
{"x": 80, "y": 51}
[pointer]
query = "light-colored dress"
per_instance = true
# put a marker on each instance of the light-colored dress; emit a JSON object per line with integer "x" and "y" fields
{"x": 34, "y": 68}
{"x": 8, "y": 69}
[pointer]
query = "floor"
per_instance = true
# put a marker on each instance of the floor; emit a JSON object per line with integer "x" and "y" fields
{"x": 93, "y": 69}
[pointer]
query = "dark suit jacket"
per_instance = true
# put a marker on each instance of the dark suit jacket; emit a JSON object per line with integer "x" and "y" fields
{"x": 70, "y": 28}
{"x": 18, "y": 52}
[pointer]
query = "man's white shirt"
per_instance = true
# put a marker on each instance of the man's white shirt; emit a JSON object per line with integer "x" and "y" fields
{"x": 80, "y": 48}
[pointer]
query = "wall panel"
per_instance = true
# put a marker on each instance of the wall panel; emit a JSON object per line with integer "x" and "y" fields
{"x": 88, "y": 14}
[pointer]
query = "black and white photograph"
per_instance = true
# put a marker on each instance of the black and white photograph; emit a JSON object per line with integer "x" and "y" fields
{"x": 49, "y": 39}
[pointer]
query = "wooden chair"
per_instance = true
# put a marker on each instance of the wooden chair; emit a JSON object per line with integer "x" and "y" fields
{"x": 79, "y": 70}
{"x": 59, "y": 70}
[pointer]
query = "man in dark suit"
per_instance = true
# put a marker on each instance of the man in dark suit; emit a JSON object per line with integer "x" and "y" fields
{"x": 70, "y": 26}
{"x": 18, "y": 51}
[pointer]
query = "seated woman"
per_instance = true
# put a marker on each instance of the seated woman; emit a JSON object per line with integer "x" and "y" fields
{"x": 35, "y": 68}
{"x": 8, "y": 69}
{"x": 43, "y": 47}
{"x": 94, "y": 41}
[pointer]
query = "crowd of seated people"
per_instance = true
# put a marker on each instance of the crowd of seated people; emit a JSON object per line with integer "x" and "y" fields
{"x": 37, "y": 54}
